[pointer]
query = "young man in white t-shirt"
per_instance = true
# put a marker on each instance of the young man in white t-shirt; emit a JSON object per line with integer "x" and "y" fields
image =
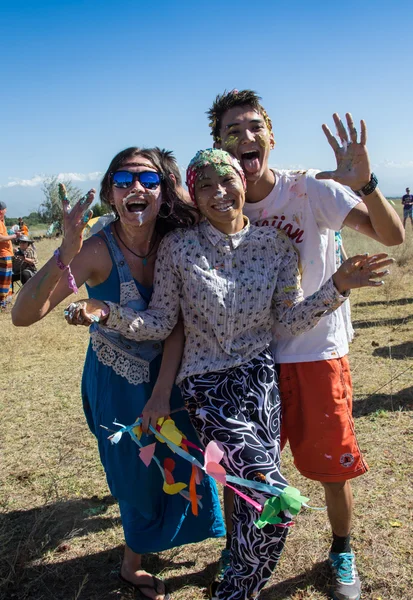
{"x": 315, "y": 381}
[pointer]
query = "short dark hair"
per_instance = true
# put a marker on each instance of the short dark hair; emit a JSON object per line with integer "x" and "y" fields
{"x": 226, "y": 101}
{"x": 168, "y": 159}
{"x": 174, "y": 213}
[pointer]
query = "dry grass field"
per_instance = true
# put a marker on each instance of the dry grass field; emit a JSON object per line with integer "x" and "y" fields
{"x": 61, "y": 538}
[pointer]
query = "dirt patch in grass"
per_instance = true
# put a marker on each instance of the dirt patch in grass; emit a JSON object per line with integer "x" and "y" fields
{"x": 60, "y": 532}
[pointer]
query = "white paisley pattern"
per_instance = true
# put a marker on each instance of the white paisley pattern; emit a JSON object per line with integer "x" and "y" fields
{"x": 136, "y": 371}
{"x": 240, "y": 408}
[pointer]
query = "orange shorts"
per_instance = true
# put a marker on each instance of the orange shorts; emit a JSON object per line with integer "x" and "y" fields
{"x": 316, "y": 400}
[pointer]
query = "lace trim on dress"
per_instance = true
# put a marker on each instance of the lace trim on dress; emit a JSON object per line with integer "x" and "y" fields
{"x": 136, "y": 371}
{"x": 128, "y": 292}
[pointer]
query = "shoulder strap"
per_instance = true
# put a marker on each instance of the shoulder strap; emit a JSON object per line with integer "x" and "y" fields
{"x": 124, "y": 272}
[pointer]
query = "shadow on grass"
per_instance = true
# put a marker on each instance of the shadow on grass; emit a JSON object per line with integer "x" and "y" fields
{"x": 382, "y": 322}
{"x": 34, "y": 563}
{"x": 316, "y": 579}
{"x": 397, "y": 302}
{"x": 399, "y": 352}
{"x": 403, "y": 400}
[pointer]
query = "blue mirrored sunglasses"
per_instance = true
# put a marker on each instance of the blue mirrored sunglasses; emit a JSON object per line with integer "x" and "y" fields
{"x": 150, "y": 180}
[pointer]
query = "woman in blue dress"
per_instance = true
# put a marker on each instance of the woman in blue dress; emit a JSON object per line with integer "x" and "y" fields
{"x": 123, "y": 379}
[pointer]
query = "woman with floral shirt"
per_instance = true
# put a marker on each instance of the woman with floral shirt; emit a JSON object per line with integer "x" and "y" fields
{"x": 230, "y": 280}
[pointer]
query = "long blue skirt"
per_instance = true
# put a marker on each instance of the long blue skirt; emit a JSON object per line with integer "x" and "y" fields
{"x": 153, "y": 520}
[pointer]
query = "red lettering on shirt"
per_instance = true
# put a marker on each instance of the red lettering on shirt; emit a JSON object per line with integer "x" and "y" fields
{"x": 295, "y": 235}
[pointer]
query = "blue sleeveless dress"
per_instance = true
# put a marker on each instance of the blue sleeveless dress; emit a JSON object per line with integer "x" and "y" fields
{"x": 118, "y": 379}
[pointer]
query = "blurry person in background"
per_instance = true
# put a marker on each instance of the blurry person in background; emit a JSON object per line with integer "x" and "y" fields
{"x": 6, "y": 259}
{"x": 407, "y": 202}
{"x": 25, "y": 260}
{"x": 24, "y": 230}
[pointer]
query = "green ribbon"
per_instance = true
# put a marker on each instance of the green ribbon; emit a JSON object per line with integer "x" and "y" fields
{"x": 290, "y": 500}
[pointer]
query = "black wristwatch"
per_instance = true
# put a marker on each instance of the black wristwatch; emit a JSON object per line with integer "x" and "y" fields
{"x": 369, "y": 188}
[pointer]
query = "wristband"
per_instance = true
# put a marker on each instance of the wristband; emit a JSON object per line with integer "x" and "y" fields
{"x": 63, "y": 267}
{"x": 368, "y": 188}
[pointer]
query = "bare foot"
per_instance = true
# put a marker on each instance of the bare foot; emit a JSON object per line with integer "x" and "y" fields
{"x": 153, "y": 589}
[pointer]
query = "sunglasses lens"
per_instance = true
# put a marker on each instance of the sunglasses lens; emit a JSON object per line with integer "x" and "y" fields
{"x": 149, "y": 179}
{"x": 122, "y": 179}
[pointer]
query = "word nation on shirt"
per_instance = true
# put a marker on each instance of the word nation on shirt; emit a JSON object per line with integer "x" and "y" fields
{"x": 278, "y": 222}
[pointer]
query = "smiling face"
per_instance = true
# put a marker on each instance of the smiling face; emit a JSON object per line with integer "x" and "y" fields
{"x": 246, "y": 136}
{"x": 220, "y": 197}
{"x": 136, "y": 205}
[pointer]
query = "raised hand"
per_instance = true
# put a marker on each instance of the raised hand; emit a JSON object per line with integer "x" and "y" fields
{"x": 362, "y": 270}
{"x": 353, "y": 164}
{"x": 74, "y": 222}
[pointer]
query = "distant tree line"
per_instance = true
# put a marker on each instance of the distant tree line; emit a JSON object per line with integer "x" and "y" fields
{"x": 50, "y": 209}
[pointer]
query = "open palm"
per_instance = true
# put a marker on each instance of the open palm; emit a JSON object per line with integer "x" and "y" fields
{"x": 362, "y": 270}
{"x": 353, "y": 164}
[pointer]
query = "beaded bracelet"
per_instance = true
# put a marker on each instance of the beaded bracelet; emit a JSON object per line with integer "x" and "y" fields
{"x": 62, "y": 267}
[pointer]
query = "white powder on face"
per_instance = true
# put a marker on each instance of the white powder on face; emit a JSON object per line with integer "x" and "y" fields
{"x": 126, "y": 198}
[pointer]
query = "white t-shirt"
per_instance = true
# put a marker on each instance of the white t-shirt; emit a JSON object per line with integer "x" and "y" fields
{"x": 309, "y": 211}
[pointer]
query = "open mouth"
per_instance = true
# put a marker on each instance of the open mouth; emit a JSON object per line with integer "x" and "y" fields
{"x": 223, "y": 206}
{"x": 136, "y": 206}
{"x": 250, "y": 161}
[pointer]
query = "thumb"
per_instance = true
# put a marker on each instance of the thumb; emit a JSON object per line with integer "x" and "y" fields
{"x": 325, "y": 175}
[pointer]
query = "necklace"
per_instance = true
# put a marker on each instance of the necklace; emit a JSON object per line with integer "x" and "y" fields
{"x": 143, "y": 257}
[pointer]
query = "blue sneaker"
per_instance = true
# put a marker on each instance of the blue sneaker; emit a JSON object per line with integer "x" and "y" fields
{"x": 346, "y": 580}
{"x": 223, "y": 564}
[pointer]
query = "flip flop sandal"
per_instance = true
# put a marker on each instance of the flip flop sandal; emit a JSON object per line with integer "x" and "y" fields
{"x": 140, "y": 587}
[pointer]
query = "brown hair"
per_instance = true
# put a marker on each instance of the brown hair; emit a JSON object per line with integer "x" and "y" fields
{"x": 173, "y": 212}
{"x": 168, "y": 160}
{"x": 226, "y": 101}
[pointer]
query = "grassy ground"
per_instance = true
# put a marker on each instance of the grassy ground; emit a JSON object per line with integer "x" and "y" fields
{"x": 60, "y": 533}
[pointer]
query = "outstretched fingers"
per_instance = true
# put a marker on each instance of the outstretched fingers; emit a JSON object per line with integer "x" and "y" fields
{"x": 363, "y": 132}
{"x": 372, "y": 269}
{"x": 341, "y": 130}
{"x": 82, "y": 208}
{"x": 330, "y": 137}
{"x": 351, "y": 128}
{"x": 64, "y": 199}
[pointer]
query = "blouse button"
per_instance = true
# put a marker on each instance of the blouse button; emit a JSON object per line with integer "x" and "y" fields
{"x": 122, "y": 262}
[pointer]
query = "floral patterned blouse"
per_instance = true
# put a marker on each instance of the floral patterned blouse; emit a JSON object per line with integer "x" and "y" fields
{"x": 229, "y": 289}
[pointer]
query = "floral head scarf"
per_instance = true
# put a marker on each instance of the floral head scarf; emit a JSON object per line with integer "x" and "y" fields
{"x": 212, "y": 156}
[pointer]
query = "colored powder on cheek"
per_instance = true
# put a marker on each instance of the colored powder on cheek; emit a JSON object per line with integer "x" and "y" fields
{"x": 231, "y": 142}
{"x": 263, "y": 140}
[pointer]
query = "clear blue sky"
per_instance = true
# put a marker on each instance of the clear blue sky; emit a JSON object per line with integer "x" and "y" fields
{"x": 82, "y": 80}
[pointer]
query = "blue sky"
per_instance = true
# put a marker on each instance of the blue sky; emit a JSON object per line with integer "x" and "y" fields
{"x": 82, "y": 80}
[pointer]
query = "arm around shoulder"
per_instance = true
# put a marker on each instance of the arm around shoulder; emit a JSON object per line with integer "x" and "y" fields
{"x": 158, "y": 321}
